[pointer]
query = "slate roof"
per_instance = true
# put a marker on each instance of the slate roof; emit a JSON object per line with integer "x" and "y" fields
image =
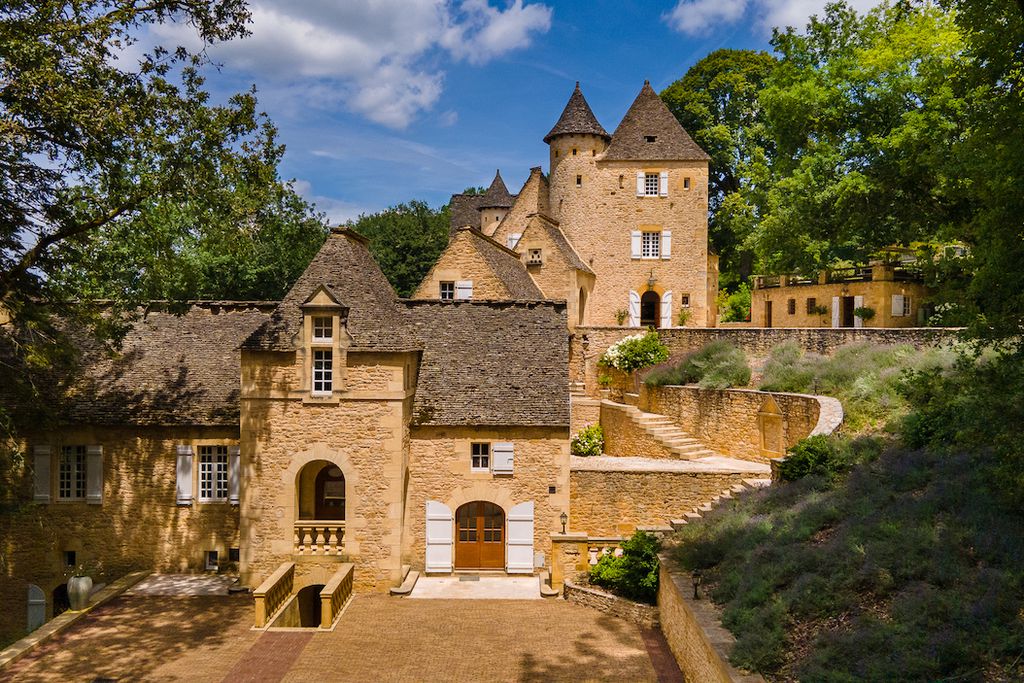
{"x": 491, "y": 363}
{"x": 506, "y": 265}
{"x": 463, "y": 210}
{"x": 559, "y": 239}
{"x": 497, "y": 195}
{"x": 344, "y": 265}
{"x": 648, "y": 116}
{"x": 577, "y": 119}
{"x": 171, "y": 369}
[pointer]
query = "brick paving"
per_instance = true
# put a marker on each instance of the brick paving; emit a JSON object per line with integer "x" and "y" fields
{"x": 379, "y": 638}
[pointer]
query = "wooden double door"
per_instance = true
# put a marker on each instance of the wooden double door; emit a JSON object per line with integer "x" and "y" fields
{"x": 479, "y": 536}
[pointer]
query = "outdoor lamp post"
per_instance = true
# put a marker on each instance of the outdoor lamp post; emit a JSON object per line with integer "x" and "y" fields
{"x": 651, "y": 281}
{"x": 695, "y": 577}
{"x": 563, "y": 518}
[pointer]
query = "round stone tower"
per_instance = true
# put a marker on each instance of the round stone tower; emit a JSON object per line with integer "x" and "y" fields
{"x": 575, "y": 142}
{"x": 493, "y": 206}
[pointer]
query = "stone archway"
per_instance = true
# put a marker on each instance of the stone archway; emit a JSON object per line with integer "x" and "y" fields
{"x": 650, "y": 309}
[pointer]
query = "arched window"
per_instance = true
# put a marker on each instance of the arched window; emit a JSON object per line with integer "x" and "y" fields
{"x": 321, "y": 492}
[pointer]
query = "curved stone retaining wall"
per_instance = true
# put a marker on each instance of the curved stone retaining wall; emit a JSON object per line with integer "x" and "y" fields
{"x": 634, "y": 612}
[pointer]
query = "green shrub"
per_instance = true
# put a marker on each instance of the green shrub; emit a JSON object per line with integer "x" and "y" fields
{"x": 718, "y": 365}
{"x": 634, "y": 574}
{"x": 735, "y": 306}
{"x": 588, "y": 441}
{"x": 635, "y": 352}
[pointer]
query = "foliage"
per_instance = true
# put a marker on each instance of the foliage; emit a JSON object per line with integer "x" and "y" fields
{"x": 734, "y": 307}
{"x": 588, "y": 441}
{"x": 634, "y": 574}
{"x": 903, "y": 569}
{"x": 864, "y": 312}
{"x": 406, "y": 240}
{"x": 684, "y": 317}
{"x": 717, "y": 365}
{"x": 826, "y": 457}
{"x": 634, "y": 352}
{"x": 620, "y": 316}
{"x": 866, "y": 378}
{"x": 604, "y": 381}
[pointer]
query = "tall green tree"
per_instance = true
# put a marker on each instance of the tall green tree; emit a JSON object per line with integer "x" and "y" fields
{"x": 406, "y": 240}
{"x": 717, "y": 102}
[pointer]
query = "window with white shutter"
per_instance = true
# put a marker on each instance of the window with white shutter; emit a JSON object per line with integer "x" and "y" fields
{"x": 663, "y": 184}
{"x": 650, "y": 245}
{"x": 234, "y": 474}
{"x": 41, "y": 473}
{"x": 184, "y": 475}
{"x": 635, "y": 238}
{"x": 71, "y": 473}
{"x": 666, "y": 244}
{"x": 213, "y": 474}
{"x": 634, "y": 309}
{"x": 464, "y": 289}
{"x": 94, "y": 475}
{"x": 502, "y": 456}
{"x": 640, "y": 180}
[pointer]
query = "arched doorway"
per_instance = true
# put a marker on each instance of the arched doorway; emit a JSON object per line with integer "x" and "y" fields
{"x": 479, "y": 536}
{"x": 649, "y": 309}
{"x": 61, "y": 601}
{"x": 321, "y": 491}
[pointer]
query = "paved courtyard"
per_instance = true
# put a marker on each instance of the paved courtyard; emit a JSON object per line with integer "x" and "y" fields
{"x": 380, "y": 638}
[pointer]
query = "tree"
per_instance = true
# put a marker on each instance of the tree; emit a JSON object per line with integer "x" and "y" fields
{"x": 406, "y": 240}
{"x": 716, "y": 101}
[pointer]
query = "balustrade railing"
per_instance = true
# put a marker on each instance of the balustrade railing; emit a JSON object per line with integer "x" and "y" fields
{"x": 272, "y": 593}
{"x": 597, "y": 548}
{"x": 335, "y": 594}
{"x": 319, "y": 537}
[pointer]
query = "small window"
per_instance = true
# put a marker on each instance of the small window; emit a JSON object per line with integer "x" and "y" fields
{"x": 552, "y": 489}
{"x": 579, "y": 180}
{"x": 791, "y": 306}
{"x": 323, "y": 372}
{"x": 650, "y": 138}
{"x": 213, "y": 474}
{"x": 211, "y": 560}
{"x": 684, "y": 300}
{"x": 593, "y": 152}
{"x": 70, "y": 558}
{"x": 907, "y": 308}
{"x": 650, "y": 245}
{"x": 534, "y": 257}
{"x": 574, "y": 151}
{"x": 447, "y": 291}
{"x": 686, "y": 183}
{"x": 556, "y": 152}
{"x": 651, "y": 184}
{"x": 622, "y": 180}
{"x": 812, "y": 305}
{"x": 71, "y": 480}
{"x": 323, "y": 329}
{"x": 481, "y": 457}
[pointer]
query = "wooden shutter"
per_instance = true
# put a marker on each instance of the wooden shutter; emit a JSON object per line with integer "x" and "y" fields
{"x": 635, "y": 238}
{"x": 666, "y": 244}
{"x": 36, "y": 607}
{"x": 464, "y": 289}
{"x": 519, "y": 539}
{"x": 234, "y": 473}
{"x": 502, "y": 455}
{"x": 666, "y": 309}
{"x": 94, "y": 474}
{"x": 439, "y": 537}
{"x": 663, "y": 184}
{"x": 634, "y": 309}
{"x": 41, "y": 473}
{"x": 640, "y": 184}
{"x": 835, "y": 311}
{"x": 907, "y": 306}
{"x": 184, "y": 475}
{"x": 897, "y": 305}
{"x": 858, "y": 302}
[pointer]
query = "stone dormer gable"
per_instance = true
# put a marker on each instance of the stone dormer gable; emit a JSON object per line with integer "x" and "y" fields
{"x": 577, "y": 119}
{"x": 345, "y": 272}
{"x": 497, "y": 195}
{"x": 541, "y": 225}
{"x": 532, "y": 199}
{"x": 649, "y": 132}
{"x": 490, "y": 270}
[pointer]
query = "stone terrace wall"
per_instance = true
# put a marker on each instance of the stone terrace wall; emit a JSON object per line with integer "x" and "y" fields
{"x": 729, "y": 421}
{"x": 624, "y": 437}
{"x": 588, "y": 343}
{"x": 633, "y": 612}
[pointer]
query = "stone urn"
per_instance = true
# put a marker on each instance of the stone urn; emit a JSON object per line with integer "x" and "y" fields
{"x": 79, "y": 588}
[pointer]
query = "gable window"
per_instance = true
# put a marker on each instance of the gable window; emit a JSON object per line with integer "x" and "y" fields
{"x": 650, "y": 138}
{"x": 71, "y": 480}
{"x": 481, "y": 457}
{"x": 651, "y": 184}
{"x": 791, "y": 306}
{"x": 213, "y": 474}
{"x": 650, "y": 245}
{"x": 534, "y": 257}
{"x": 447, "y": 291}
{"x": 323, "y": 372}
{"x": 323, "y": 329}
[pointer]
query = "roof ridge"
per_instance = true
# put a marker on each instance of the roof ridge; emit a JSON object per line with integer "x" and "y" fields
{"x": 649, "y": 132}
{"x": 577, "y": 119}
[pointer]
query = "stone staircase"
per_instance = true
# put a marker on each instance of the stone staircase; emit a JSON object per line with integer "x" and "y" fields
{"x": 672, "y": 438}
{"x": 698, "y": 512}
{"x": 577, "y": 389}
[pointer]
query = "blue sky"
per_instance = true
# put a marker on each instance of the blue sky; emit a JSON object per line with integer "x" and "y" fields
{"x": 383, "y": 101}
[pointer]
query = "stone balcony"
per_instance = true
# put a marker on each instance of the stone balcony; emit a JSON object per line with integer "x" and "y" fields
{"x": 319, "y": 538}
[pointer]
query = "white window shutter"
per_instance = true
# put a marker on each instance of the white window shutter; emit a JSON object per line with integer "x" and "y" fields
{"x": 835, "y": 311}
{"x": 666, "y": 310}
{"x": 635, "y": 238}
{"x": 897, "y": 305}
{"x": 464, "y": 289}
{"x": 36, "y": 607}
{"x": 439, "y": 537}
{"x": 858, "y": 302}
{"x": 234, "y": 474}
{"x": 634, "y": 309}
{"x": 502, "y": 456}
{"x": 663, "y": 184}
{"x": 41, "y": 474}
{"x": 184, "y": 475}
{"x": 94, "y": 475}
{"x": 519, "y": 539}
{"x": 640, "y": 184}
{"x": 666, "y": 244}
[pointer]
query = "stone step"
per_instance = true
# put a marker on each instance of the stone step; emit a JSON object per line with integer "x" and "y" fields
{"x": 757, "y": 483}
{"x": 681, "y": 443}
{"x": 665, "y": 430}
{"x": 678, "y": 524}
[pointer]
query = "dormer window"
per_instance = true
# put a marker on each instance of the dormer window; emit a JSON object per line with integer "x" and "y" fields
{"x": 650, "y": 138}
{"x": 323, "y": 329}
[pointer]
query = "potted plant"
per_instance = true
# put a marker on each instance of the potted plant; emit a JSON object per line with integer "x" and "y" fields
{"x": 80, "y": 584}
{"x": 605, "y": 382}
{"x": 684, "y": 316}
{"x": 620, "y": 316}
{"x": 865, "y": 313}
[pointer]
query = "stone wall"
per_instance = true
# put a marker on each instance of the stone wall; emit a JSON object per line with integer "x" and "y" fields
{"x": 743, "y": 423}
{"x": 14, "y": 609}
{"x": 583, "y": 413}
{"x": 462, "y": 261}
{"x": 624, "y": 437}
{"x": 694, "y": 632}
{"x": 633, "y": 612}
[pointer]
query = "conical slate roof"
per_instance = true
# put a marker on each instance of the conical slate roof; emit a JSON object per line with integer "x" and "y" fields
{"x": 577, "y": 119}
{"x": 497, "y": 195}
{"x": 649, "y": 132}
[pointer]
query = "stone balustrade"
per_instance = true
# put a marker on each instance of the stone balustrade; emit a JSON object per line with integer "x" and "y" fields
{"x": 273, "y": 593}
{"x": 335, "y": 595}
{"x": 319, "y": 537}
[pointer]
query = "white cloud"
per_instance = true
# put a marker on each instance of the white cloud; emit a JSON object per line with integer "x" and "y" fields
{"x": 696, "y": 16}
{"x": 381, "y": 58}
{"x": 338, "y": 211}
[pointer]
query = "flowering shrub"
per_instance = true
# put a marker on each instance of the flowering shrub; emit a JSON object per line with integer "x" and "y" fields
{"x": 635, "y": 352}
{"x": 588, "y": 441}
